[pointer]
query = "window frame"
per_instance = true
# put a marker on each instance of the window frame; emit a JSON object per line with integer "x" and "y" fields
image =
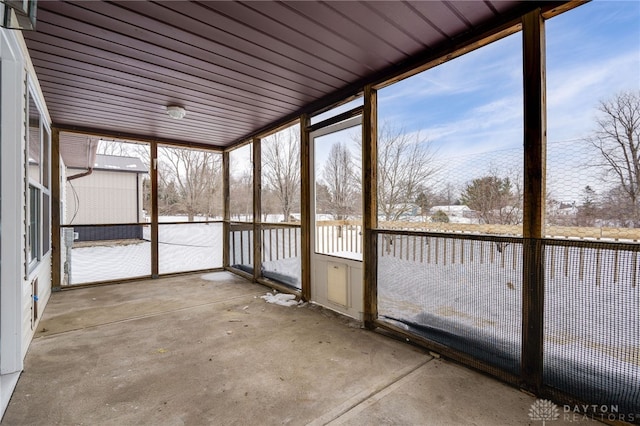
{"x": 37, "y": 187}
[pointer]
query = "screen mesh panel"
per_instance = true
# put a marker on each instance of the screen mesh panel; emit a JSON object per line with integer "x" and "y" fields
{"x": 189, "y": 185}
{"x": 592, "y": 323}
{"x": 189, "y": 247}
{"x": 282, "y": 254}
{"x": 105, "y": 253}
{"x": 462, "y": 293}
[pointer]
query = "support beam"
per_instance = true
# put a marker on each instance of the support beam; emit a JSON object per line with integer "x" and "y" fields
{"x": 257, "y": 209}
{"x": 534, "y": 199}
{"x": 155, "y": 264}
{"x": 56, "y": 191}
{"x": 370, "y": 207}
{"x": 227, "y": 209}
{"x": 114, "y": 134}
{"x": 305, "y": 206}
{"x": 535, "y": 124}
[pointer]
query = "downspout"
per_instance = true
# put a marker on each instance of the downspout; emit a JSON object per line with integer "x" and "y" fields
{"x": 79, "y": 175}
{"x": 91, "y": 160}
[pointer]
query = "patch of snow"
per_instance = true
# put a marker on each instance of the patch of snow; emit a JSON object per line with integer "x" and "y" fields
{"x": 290, "y": 267}
{"x": 346, "y": 254}
{"x": 281, "y": 299}
{"x": 469, "y": 291}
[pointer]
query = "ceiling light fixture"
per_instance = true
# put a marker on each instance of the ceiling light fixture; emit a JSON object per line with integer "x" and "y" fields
{"x": 175, "y": 111}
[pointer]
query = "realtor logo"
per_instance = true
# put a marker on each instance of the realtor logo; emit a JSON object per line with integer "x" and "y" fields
{"x": 544, "y": 410}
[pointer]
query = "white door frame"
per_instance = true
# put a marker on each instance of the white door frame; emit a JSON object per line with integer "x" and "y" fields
{"x": 322, "y": 263}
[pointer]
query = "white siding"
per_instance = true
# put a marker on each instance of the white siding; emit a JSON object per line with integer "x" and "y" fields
{"x": 103, "y": 197}
{"x": 43, "y": 274}
{"x": 16, "y": 298}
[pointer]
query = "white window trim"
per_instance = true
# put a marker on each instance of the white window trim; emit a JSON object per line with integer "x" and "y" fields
{"x": 32, "y": 265}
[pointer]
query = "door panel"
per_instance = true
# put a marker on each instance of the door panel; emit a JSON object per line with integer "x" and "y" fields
{"x": 336, "y": 182}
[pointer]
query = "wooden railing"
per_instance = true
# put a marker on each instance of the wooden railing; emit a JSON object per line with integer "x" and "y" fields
{"x": 601, "y": 261}
{"x": 282, "y": 240}
{"x": 590, "y": 233}
{"x": 241, "y": 241}
{"x": 338, "y": 236}
{"x": 279, "y": 241}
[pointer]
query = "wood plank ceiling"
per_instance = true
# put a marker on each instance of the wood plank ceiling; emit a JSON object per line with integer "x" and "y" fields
{"x": 237, "y": 67}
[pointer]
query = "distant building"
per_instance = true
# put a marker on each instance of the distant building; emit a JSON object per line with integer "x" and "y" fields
{"x": 457, "y": 211}
{"x": 111, "y": 192}
{"x": 404, "y": 210}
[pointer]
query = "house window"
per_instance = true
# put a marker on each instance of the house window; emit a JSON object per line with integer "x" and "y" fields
{"x": 38, "y": 232}
{"x": 33, "y": 231}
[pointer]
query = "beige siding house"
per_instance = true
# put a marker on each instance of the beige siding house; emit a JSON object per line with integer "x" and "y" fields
{"x": 111, "y": 194}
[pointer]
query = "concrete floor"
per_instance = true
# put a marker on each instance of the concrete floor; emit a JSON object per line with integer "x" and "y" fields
{"x": 188, "y": 351}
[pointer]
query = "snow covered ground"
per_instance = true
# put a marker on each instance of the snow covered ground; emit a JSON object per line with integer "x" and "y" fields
{"x": 471, "y": 299}
{"x": 182, "y": 248}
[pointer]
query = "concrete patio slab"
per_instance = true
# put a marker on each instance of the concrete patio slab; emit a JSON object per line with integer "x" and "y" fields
{"x": 444, "y": 393}
{"x": 190, "y": 351}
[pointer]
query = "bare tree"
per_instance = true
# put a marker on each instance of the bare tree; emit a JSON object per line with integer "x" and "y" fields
{"x": 270, "y": 204}
{"x": 340, "y": 181}
{"x": 323, "y": 198}
{"x": 617, "y": 139}
{"x": 193, "y": 176}
{"x": 405, "y": 163}
{"x": 241, "y": 187}
{"x": 168, "y": 196}
{"x": 125, "y": 149}
{"x": 281, "y": 168}
{"x": 120, "y": 149}
{"x": 448, "y": 195}
{"x": 621, "y": 211}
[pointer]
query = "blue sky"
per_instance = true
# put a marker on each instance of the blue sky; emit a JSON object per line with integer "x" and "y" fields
{"x": 475, "y": 101}
{"x": 471, "y": 107}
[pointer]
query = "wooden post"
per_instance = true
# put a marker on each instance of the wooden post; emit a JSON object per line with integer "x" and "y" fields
{"x": 226, "y": 228}
{"x": 257, "y": 209}
{"x": 534, "y": 199}
{"x": 305, "y": 206}
{"x": 370, "y": 205}
{"x": 56, "y": 185}
{"x": 155, "y": 264}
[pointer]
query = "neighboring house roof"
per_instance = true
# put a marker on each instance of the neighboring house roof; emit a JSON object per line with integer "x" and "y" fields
{"x": 117, "y": 163}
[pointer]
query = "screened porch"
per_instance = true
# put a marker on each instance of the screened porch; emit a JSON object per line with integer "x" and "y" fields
{"x": 501, "y": 235}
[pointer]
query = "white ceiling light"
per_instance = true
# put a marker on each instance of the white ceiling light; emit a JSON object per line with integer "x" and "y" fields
{"x": 175, "y": 111}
